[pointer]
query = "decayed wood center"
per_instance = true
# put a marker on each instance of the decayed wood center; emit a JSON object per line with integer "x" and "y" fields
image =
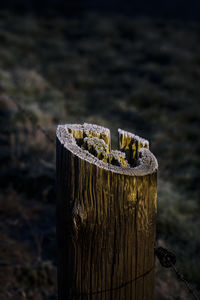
{"x": 106, "y": 215}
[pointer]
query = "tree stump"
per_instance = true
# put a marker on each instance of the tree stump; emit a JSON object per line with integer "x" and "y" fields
{"x": 106, "y": 215}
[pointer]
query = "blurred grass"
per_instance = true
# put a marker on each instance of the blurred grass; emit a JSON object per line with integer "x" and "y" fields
{"x": 141, "y": 75}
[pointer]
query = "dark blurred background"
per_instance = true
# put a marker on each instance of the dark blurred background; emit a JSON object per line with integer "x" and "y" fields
{"x": 120, "y": 64}
{"x": 168, "y": 9}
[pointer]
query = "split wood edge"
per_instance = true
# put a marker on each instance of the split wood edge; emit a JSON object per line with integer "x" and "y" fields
{"x": 141, "y": 160}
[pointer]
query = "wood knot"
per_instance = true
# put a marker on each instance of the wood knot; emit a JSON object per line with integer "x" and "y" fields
{"x": 78, "y": 216}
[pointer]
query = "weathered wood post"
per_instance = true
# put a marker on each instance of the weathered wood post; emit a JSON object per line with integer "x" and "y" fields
{"x": 106, "y": 211}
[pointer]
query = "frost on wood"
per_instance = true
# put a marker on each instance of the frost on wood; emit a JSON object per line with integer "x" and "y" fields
{"x": 92, "y": 143}
{"x": 100, "y": 149}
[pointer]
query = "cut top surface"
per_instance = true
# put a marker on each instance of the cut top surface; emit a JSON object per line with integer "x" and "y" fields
{"x": 91, "y": 143}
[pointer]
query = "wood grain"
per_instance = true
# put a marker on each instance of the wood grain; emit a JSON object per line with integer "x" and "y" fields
{"x": 106, "y": 217}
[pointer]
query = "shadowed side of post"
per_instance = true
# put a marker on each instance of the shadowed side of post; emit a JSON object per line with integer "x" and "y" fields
{"x": 106, "y": 210}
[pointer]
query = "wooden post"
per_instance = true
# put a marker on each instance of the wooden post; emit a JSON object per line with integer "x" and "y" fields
{"x": 106, "y": 215}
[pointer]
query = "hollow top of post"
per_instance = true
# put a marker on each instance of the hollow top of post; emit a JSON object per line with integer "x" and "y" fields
{"x": 91, "y": 143}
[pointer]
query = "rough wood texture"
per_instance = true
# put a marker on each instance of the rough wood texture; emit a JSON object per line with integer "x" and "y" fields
{"x": 106, "y": 211}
